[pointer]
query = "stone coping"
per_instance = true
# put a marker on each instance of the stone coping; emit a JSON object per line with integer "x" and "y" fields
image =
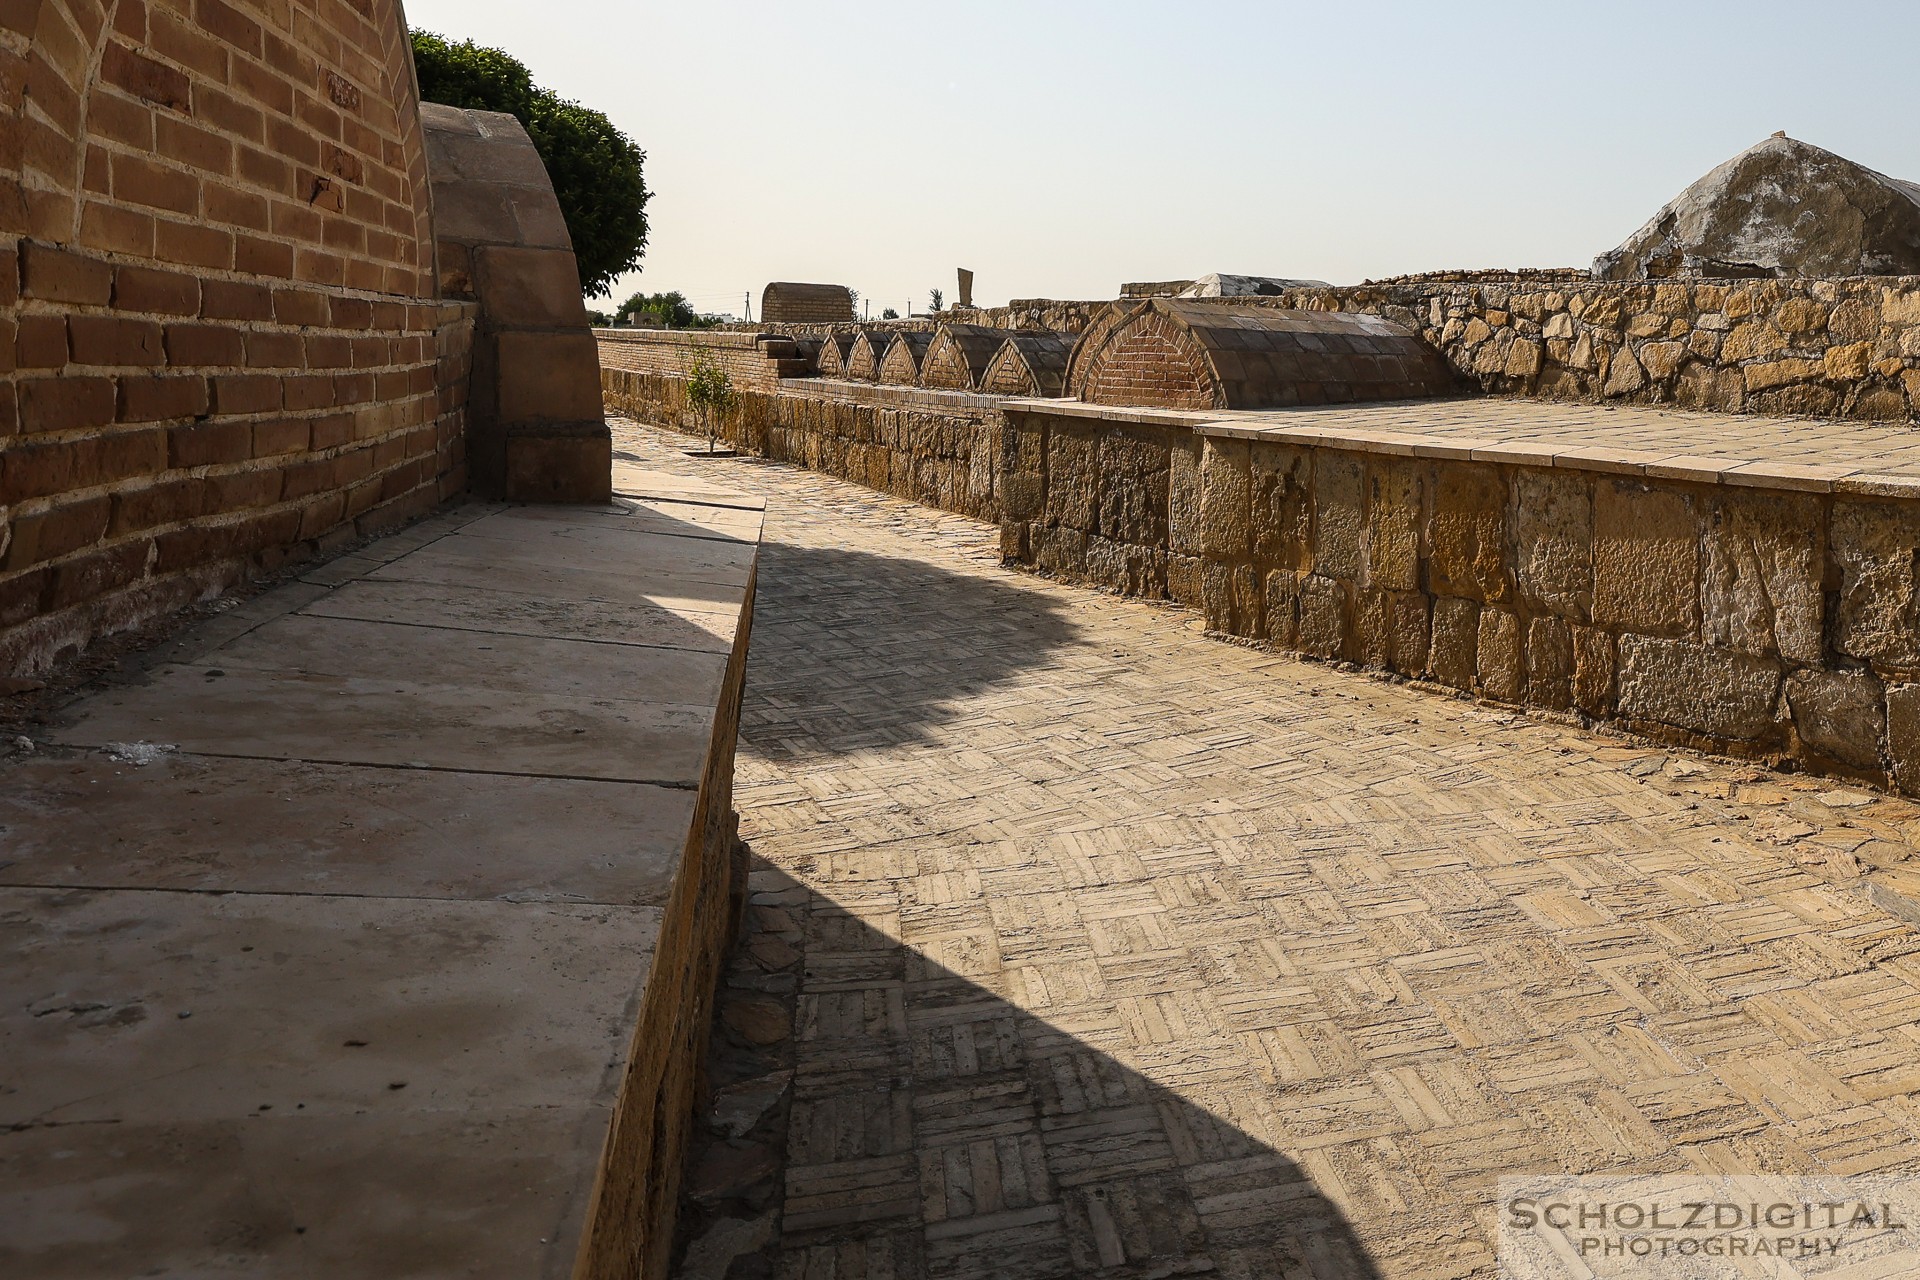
{"x": 327, "y": 932}
{"x": 892, "y": 395}
{"x": 1879, "y": 459}
{"x": 1870, "y": 458}
{"x": 683, "y": 337}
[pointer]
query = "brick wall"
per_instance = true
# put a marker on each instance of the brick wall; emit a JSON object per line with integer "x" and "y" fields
{"x": 222, "y": 343}
{"x": 900, "y": 366}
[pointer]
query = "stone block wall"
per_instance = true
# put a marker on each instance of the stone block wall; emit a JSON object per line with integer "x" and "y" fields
{"x": 221, "y": 338}
{"x": 1847, "y": 348}
{"x": 1773, "y": 621}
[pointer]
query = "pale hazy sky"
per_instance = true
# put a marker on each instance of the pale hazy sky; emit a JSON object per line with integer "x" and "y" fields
{"x": 1058, "y": 149}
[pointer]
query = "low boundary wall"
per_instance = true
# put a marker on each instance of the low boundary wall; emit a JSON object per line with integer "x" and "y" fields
{"x": 1774, "y": 616}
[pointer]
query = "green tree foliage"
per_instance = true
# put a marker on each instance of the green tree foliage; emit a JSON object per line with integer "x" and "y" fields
{"x": 596, "y": 169}
{"x": 888, "y": 313}
{"x": 709, "y": 392}
{"x": 670, "y": 309}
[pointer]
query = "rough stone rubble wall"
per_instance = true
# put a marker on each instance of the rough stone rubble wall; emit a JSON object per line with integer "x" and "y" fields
{"x": 217, "y": 313}
{"x": 1757, "y": 622}
{"x": 1811, "y": 347}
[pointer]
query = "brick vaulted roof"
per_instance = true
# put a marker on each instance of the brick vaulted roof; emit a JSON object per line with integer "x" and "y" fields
{"x": 1029, "y": 362}
{"x": 900, "y": 365}
{"x": 959, "y": 355}
{"x": 1181, "y": 354}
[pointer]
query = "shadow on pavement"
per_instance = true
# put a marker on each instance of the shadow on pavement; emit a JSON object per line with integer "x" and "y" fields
{"x": 877, "y": 1113}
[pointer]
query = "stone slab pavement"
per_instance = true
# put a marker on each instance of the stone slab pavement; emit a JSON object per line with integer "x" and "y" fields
{"x": 1083, "y": 943}
{"x": 323, "y": 937}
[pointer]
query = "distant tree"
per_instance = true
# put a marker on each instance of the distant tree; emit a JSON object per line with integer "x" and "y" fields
{"x": 670, "y": 310}
{"x": 889, "y": 313}
{"x": 709, "y": 392}
{"x": 853, "y": 299}
{"x": 598, "y": 319}
{"x": 935, "y": 299}
{"x": 596, "y": 169}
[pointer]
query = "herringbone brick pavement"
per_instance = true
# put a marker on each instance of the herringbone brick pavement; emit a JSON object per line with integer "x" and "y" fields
{"x": 1082, "y": 943}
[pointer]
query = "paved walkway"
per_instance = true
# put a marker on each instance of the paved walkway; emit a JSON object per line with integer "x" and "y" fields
{"x": 1083, "y": 943}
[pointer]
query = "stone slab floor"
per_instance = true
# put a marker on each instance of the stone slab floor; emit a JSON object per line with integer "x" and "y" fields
{"x": 1082, "y": 943}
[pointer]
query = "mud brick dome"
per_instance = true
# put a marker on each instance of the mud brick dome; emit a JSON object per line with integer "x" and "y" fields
{"x": 900, "y": 365}
{"x": 782, "y": 303}
{"x": 1194, "y": 355}
{"x": 1029, "y": 363}
{"x": 959, "y": 355}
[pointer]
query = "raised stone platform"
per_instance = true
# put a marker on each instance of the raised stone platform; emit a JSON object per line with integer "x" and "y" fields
{"x": 338, "y": 939}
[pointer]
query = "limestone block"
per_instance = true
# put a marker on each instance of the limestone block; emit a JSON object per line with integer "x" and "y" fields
{"x": 1662, "y": 360}
{"x": 1283, "y": 607}
{"x": 1339, "y": 515}
{"x": 1372, "y": 628}
{"x": 549, "y": 377}
{"x": 1228, "y": 598}
{"x": 1456, "y": 637}
{"x": 1062, "y": 552}
{"x": 1801, "y": 315}
{"x": 1624, "y": 375}
{"x": 1407, "y": 631}
{"x": 1847, "y": 363}
{"x": 1752, "y": 341}
{"x": 1876, "y": 546}
{"x": 1226, "y": 508}
{"x": 1393, "y": 524}
{"x": 1184, "y": 584}
{"x": 1501, "y": 666}
{"x": 1559, "y": 326}
{"x": 1703, "y": 387}
{"x": 528, "y": 287}
{"x": 1646, "y": 558}
{"x": 1466, "y": 535}
{"x": 1072, "y": 475}
{"x": 1760, "y": 592}
{"x": 1014, "y": 545}
{"x": 1281, "y": 506}
{"x": 1553, "y": 533}
{"x": 1855, "y": 320}
{"x": 1779, "y": 373}
{"x": 1593, "y": 664}
{"x": 1133, "y": 481}
{"x": 1323, "y": 622}
{"x": 1841, "y": 714}
{"x": 1705, "y": 690}
{"x": 1523, "y": 359}
{"x": 1550, "y": 662}
{"x": 1183, "y": 497}
{"x": 1903, "y": 735}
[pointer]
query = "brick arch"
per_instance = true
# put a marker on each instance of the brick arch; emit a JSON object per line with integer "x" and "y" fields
{"x": 863, "y": 361}
{"x": 900, "y": 362}
{"x": 1150, "y": 360}
{"x": 959, "y": 356}
{"x": 1029, "y": 363}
